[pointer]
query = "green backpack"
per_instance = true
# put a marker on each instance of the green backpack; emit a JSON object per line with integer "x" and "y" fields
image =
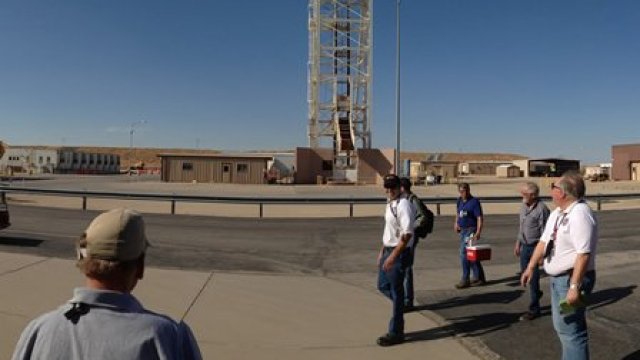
{"x": 424, "y": 218}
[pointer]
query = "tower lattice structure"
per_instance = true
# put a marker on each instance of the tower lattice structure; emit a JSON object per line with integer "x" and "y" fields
{"x": 340, "y": 76}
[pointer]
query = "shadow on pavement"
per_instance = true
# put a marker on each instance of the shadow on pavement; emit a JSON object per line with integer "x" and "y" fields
{"x": 497, "y": 297}
{"x": 471, "y": 326}
{"x": 609, "y": 296}
{"x": 22, "y": 242}
{"x": 633, "y": 356}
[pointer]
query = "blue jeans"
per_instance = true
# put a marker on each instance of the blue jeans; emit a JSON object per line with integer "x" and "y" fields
{"x": 475, "y": 266}
{"x": 526, "y": 251}
{"x": 408, "y": 279}
{"x": 571, "y": 328}
{"x": 391, "y": 284}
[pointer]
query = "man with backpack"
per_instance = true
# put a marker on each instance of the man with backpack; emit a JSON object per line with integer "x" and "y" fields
{"x": 423, "y": 225}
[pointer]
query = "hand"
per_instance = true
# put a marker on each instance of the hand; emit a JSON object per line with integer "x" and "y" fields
{"x": 516, "y": 250}
{"x": 476, "y": 237}
{"x": 388, "y": 264}
{"x": 526, "y": 277}
{"x": 573, "y": 296}
{"x": 456, "y": 228}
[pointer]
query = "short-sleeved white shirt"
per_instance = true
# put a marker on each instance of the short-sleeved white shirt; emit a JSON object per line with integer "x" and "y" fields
{"x": 398, "y": 219}
{"x": 577, "y": 233}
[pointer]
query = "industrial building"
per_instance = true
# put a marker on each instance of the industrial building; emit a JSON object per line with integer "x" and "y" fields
{"x": 626, "y": 162}
{"x": 316, "y": 166}
{"x": 50, "y": 160}
{"x": 548, "y": 167}
{"x": 486, "y": 167}
{"x": 215, "y": 168}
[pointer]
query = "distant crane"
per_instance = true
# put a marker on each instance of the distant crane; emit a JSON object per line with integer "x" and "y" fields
{"x": 339, "y": 82}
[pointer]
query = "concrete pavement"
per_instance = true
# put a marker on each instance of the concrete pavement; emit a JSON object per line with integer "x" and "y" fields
{"x": 236, "y": 315}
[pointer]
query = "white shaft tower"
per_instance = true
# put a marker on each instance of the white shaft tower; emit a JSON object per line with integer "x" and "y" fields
{"x": 340, "y": 50}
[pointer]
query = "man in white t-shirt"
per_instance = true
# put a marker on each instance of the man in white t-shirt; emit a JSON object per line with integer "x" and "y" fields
{"x": 568, "y": 246}
{"x": 394, "y": 256}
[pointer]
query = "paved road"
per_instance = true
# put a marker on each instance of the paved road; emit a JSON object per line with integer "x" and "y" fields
{"x": 345, "y": 249}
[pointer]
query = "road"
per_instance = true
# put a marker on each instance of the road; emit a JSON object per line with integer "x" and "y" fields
{"x": 345, "y": 249}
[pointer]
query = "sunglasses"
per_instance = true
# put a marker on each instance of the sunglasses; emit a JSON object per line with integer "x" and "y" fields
{"x": 554, "y": 186}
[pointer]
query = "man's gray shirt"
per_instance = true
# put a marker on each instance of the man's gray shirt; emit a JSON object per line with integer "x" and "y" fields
{"x": 532, "y": 222}
{"x": 98, "y": 324}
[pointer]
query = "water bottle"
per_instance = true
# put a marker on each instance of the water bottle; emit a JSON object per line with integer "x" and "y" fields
{"x": 469, "y": 239}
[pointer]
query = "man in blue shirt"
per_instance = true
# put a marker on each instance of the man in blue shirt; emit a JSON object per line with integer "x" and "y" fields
{"x": 468, "y": 224}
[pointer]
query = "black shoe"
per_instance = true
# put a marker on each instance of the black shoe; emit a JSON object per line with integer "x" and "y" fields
{"x": 478, "y": 282}
{"x": 528, "y": 316}
{"x": 390, "y": 340}
{"x": 408, "y": 308}
{"x": 462, "y": 284}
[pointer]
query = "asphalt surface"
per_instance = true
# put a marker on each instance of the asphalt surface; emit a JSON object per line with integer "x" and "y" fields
{"x": 345, "y": 249}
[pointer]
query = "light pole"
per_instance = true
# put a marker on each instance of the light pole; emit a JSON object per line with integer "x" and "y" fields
{"x": 397, "y": 157}
{"x": 131, "y": 131}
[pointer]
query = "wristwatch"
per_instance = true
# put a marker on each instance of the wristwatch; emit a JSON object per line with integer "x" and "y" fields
{"x": 574, "y": 286}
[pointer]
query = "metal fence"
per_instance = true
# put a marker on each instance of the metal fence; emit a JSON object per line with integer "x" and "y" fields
{"x": 435, "y": 201}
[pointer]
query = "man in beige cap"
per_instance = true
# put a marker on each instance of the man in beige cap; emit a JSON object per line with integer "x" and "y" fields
{"x": 103, "y": 320}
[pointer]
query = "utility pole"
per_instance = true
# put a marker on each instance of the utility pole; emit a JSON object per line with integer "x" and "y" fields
{"x": 131, "y": 131}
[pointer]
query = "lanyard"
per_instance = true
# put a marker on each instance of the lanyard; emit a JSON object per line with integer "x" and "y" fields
{"x": 550, "y": 246}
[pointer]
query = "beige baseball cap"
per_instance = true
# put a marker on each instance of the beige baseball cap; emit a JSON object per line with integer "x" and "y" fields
{"x": 115, "y": 235}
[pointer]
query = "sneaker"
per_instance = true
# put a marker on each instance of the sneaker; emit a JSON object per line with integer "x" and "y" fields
{"x": 390, "y": 340}
{"x": 528, "y": 316}
{"x": 462, "y": 284}
{"x": 478, "y": 282}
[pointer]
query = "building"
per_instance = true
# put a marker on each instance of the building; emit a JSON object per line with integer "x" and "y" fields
{"x": 486, "y": 167}
{"x": 626, "y": 162}
{"x": 215, "y": 168}
{"x": 317, "y": 166}
{"x": 507, "y": 171}
{"x": 49, "y": 160}
{"x": 549, "y": 167}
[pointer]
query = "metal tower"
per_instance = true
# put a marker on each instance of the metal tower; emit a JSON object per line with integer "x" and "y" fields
{"x": 339, "y": 83}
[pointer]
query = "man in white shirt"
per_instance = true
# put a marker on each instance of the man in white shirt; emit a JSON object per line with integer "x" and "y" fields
{"x": 394, "y": 256}
{"x": 568, "y": 246}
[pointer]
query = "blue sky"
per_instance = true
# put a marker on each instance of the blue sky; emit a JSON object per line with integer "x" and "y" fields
{"x": 539, "y": 78}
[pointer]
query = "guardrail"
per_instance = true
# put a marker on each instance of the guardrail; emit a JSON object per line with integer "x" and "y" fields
{"x": 437, "y": 201}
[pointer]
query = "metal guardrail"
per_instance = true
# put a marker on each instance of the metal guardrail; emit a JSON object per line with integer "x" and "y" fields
{"x": 261, "y": 201}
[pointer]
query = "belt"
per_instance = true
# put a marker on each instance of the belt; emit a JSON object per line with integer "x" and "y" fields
{"x": 570, "y": 272}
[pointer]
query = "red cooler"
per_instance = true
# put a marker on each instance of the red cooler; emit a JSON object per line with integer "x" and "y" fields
{"x": 479, "y": 252}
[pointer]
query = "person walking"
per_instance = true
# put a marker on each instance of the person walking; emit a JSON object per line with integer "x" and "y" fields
{"x": 533, "y": 217}
{"x": 393, "y": 257}
{"x": 468, "y": 223}
{"x": 104, "y": 320}
{"x": 405, "y": 188}
{"x": 568, "y": 246}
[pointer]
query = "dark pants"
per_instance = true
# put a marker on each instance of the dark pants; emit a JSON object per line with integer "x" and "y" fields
{"x": 391, "y": 284}
{"x": 475, "y": 266}
{"x": 408, "y": 279}
{"x": 526, "y": 251}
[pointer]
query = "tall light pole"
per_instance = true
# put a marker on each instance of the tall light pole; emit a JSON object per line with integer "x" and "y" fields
{"x": 131, "y": 131}
{"x": 397, "y": 157}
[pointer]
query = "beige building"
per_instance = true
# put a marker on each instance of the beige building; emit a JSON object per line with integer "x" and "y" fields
{"x": 218, "y": 168}
{"x": 507, "y": 171}
{"x": 313, "y": 165}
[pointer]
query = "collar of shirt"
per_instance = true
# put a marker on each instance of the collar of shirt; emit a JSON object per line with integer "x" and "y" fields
{"x": 570, "y": 207}
{"x": 106, "y": 299}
